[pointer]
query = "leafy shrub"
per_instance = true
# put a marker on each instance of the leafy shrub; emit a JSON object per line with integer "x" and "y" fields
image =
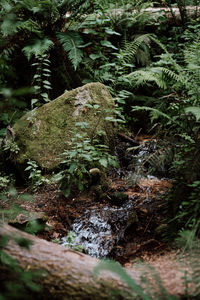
{"x": 83, "y": 155}
{"x": 36, "y": 178}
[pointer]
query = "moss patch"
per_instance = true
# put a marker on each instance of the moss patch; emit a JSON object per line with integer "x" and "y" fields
{"x": 42, "y": 134}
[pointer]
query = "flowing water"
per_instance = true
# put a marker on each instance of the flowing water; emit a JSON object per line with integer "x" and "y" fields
{"x": 99, "y": 230}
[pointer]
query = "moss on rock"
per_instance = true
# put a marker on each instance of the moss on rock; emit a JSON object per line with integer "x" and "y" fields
{"x": 43, "y": 134}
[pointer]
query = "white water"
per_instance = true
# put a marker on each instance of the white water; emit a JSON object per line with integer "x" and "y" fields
{"x": 98, "y": 230}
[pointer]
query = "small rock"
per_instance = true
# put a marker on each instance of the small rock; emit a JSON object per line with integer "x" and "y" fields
{"x": 22, "y": 221}
{"x": 118, "y": 198}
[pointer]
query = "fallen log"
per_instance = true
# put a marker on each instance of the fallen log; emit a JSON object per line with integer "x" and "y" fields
{"x": 68, "y": 274}
{"x": 168, "y": 11}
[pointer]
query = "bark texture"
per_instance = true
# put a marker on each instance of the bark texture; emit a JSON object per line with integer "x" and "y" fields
{"x": 68, "y": 274}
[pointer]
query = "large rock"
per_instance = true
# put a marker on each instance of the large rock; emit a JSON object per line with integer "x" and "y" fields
{"x": 43, "y": 134}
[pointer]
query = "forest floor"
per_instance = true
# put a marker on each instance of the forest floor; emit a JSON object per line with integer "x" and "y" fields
{"x": 142, "y": 239}
{"x": 142, "y": 244}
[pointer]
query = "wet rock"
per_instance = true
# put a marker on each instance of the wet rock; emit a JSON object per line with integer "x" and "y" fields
{"x": 98, "y": 183}
{"x": 118, "y": 198}
{"x": 43, "y": 134}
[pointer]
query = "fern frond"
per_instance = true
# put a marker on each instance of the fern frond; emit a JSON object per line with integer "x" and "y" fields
{"x": 158, "y": 75}
{"x": 156, "y": 112}
{"x": 77, "y": 7}
{"x": 38, "y": 47}
{"x": 71, "y": 41}
{"x": 132, "y": 48}
{"x": 29, "y": 26}
{"x": 195, "y": 110}
{"x": 144, "y": 76}
{"x": 158, "y": 42}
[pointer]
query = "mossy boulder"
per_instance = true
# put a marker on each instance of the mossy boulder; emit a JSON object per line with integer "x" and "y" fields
{"x": 43, "y": 134}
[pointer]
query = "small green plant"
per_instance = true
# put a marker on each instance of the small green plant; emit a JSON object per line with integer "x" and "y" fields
{"x": 35, "y": 176}
{"x": 117, "y": 269}
{"x": 9, "y": 208}
{"x": 135, "y": 288}
{"x": 41, "y": 82}
{"x": 70, "y": 242}
{"x": 4, "y": 182}
{"x": 11, "y": 146}
{"x": 83, "y": 155}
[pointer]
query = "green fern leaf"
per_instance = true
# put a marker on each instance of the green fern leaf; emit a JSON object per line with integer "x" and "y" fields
{"x": 195, "y": 110}
{"x": 156, "y": 112}
{"x": 71, "y": 41}
{"x": 38, "y": 47}
{"x": 158, "y": 75}
{"x": 132, "y": 48}
{"x": 144, "y": 76}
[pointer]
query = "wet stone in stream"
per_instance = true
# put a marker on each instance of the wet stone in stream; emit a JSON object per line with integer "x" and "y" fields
{"x": 99, "y": 230}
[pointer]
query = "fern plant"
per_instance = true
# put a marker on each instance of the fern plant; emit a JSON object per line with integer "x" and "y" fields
{"x": 72, "y": 42}
{"x": 41, "y": 81}
{"x": 36, "y": 28}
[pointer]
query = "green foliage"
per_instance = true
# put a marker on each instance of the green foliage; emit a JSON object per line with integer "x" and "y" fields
{"x": 36, "y": 178}
{"x": 136, "y": 289}
{"x": 117, "y": 269}
{"x": 4, "y": 182}
{"x": 70, "y": 242}
{"x": 156, "y": 290}
{"x": 187, "y": 212}
{"x": 41, "y": 82}
{"x": 195, "y": 110}
{"x": 29, "y": 31}
{"x": 83, "y": 155}
{"x": 72, "y": 42}
{"x": 33, "y": 227}
{"x": 37, "y": 48}
{"x": 115, "y": 53}
{"x": 20, "y": 282}
{"x": 11, "y": 147}
{"x": 107, "y": 42}
{"x": 9, "y": 202}
{"x": 186, "y": 239}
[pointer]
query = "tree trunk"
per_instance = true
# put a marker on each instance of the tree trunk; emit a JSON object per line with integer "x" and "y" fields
{"x": 68, "y": 274}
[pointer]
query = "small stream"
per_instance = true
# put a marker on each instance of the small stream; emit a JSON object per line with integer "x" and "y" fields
{"x": 99, "y": 230}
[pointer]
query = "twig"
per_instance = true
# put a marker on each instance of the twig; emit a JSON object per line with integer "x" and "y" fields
{"x": 128, "y": 139}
